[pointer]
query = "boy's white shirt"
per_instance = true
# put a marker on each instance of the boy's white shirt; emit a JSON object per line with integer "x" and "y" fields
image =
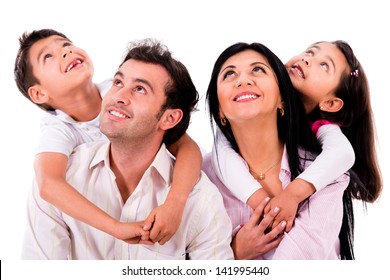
{"x": 59, "y": 133}
{"x": 336, "y": 158}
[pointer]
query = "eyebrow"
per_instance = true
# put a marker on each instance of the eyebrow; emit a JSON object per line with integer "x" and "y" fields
{"x": 252, "y": 64}
{"x": 44, "y": 48}
{"x": 137, "y": 80}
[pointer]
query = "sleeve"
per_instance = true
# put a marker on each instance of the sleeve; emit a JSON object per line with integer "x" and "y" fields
{"x": 336, "y": 158}
{"x": 211, "y": 229}
{"x": 316, "y": 227}
{"x": 46, "y": 236}
{"x": 232, "y": 169}
{"x": 55, "y": 136}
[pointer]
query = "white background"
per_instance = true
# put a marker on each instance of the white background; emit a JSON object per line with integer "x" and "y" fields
{"x": 196, "y": 32}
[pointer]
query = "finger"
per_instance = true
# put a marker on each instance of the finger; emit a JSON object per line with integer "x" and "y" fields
{"x": 148, "y": 223}
{"x": 154, "y": 234}
{"x": 278, "y": 230}
{"x": 165, "y": 239}
{"x": 268, "y": 219}
{"x": 257, "y": 213}
{"x": 289, "y": 225}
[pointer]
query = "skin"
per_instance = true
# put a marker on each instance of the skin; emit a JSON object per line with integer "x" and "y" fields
{"x": 70, "y": 89}
{"x": 316, "y": 73}
{"x": 249, "y": 98}
{"x": 129, "y": 120}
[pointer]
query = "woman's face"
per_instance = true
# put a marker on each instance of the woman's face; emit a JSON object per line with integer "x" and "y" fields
{"x": 317, "y": 72}
{"x": 247, "y": 88}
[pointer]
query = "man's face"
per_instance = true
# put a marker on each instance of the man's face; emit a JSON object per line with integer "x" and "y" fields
{"x": 130, "y": 110}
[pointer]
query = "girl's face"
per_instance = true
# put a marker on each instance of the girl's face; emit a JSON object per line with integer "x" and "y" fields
{"x": 317, "y": 72}
{"x": 247, "y": 88}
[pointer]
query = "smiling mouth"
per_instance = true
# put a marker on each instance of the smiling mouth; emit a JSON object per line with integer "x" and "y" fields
{"x": 117, "y": 114}
{"x": 73, "y": 64}
{"x": 296, "y": 68}
{"x": 246, "y": 97}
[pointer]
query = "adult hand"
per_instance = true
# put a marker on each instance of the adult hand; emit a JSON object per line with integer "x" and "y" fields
{"x": 253, "y": 240}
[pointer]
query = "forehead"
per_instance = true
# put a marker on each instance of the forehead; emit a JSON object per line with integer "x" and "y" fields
{"x": 331, "y": 50}
{"x": 153, "y": 73}
{"x": 245, "y": 57}
{"x": 44, "y": 44}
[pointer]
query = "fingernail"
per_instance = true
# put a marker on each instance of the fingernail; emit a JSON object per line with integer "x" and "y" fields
{"x": 267, "y": 199}
{"x": 283, "y": 224}
{"x": 276, "y": 209}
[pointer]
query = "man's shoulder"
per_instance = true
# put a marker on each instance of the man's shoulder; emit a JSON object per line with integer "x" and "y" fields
{"x": 205, "y": 187}
{"x": 87, "y": 152}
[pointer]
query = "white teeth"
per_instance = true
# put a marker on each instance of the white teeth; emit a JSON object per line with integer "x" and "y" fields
{"x": 246, "y": 96}
{"x": 117, "y": 114}
{"x": 78, "y": 61}
{"x": 300, "y": 73}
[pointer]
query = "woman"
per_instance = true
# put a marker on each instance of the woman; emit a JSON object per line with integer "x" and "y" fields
{"x": 253, "y": 103}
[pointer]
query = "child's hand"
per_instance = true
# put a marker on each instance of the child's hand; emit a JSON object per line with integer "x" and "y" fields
{"x": 163, "y": 222}
{"x": 132, "y": 233}
{"x": 288, "y": 209}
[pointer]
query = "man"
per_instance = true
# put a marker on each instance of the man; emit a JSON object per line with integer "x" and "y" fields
{"x": 148, "y": 106}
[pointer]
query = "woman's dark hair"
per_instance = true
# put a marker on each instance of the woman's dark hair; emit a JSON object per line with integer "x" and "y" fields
{"x": 293, "y": 128}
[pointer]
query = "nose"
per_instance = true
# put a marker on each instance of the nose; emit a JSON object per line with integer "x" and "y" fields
{"x": 65, "y": 52}
{"x": 306, "y": 61}
{"x": 121, "y": 97}
{"x": 244, "y": 80}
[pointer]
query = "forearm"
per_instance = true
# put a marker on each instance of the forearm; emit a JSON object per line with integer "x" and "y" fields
{"x": 70, "y": 201}
{"x": 186, "y": 171}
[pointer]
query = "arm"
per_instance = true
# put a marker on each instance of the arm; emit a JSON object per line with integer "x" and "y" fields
{"x": 227, "y": 163}
{"x": 50, "y": 170}
{"x": 336, "y": 158}
{"x": 164, "y": 220}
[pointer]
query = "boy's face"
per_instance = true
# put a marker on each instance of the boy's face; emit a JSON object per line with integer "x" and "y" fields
{"x": 60, "y": 67}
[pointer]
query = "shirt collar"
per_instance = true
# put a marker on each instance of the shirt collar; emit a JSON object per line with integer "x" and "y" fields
{"x": 162, "y": 163}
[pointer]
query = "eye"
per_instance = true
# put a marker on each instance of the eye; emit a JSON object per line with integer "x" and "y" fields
{"x": 309, "y": 52}
{"x": 324, "y": 66}
{"x": 140, "y": 89}
{"x": 47, "y": 56}
{"x": 228, "y": 74}
{"x": 259, "y": 69}
{"x": 117, "y": 83}
{"x": 66, "y": 44}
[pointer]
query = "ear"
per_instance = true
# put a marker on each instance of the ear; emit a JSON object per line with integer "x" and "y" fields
{"x": 37, "y": 95}
{"x": 170, "y": 118}
{"x": 331, "y": 105}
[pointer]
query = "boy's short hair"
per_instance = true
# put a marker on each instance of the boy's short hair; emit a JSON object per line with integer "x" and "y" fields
{"x": 23, "y": 72}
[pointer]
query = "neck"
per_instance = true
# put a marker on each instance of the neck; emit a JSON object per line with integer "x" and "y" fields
{"x": 129, "y": 161}
{"x": 259, "y": 144}
{"x": 83, "y": 104}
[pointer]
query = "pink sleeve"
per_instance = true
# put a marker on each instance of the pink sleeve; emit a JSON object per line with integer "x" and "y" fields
{"x": 317, "y": 124}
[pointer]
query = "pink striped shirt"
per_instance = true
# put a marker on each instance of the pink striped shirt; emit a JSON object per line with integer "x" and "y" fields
{"x": 316, "y": 227}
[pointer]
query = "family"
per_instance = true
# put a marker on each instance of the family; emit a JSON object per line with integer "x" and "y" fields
{"x": 118, "y": 177}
